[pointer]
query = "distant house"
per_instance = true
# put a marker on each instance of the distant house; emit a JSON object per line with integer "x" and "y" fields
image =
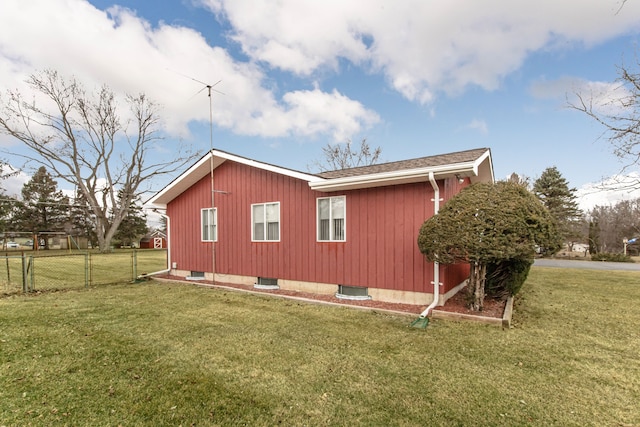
{"x": 350, "y": 232}
{"x": 155, "y": 240}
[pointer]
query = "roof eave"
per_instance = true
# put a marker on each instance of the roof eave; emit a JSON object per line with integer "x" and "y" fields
{"x": 479, "y": 170}
{"x": 483, "y": 169}
{"x": 389, "y": 178}
{"x": 189, "y": 177}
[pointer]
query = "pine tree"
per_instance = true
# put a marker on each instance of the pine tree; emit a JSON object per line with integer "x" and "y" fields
{"x": 44, "y": 207}
{"x": 133, "y": 225}
{"x": 554, "y": 192}
{"x": 7, "y": 202}
{"x": 81, "y": 220}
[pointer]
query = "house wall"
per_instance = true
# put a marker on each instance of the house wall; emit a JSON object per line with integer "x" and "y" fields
{"x": 381, "y": 227}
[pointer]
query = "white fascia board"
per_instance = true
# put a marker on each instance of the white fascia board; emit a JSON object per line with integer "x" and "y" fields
{"x": 271, "y": 168}
{"x": 407, "y": 176}
{"x": 203, "y": 167}
{"x": 483, "y": 168}
{"x": 182, "y": 182}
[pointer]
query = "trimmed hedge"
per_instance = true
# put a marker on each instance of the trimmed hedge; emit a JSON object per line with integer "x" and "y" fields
{"x": 604, "y": 256}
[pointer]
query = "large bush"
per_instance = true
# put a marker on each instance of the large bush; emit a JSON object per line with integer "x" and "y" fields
{"x": 488, "y": 223}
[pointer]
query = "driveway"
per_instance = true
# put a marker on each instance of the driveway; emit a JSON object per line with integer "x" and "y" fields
{"x": 594, "y": 265}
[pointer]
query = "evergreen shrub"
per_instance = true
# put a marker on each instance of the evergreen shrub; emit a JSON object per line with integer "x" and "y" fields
{"x": 604, "y": 256}
{"x": 506, "y": 277}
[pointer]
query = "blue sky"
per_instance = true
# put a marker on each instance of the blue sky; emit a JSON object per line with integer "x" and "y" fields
{"x": 414, "y": 77}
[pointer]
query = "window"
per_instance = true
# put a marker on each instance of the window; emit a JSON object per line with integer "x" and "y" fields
{"x": 352, "y": 292}
{"x": 331, "y": 219}
{"x": 265, "y": 222}
{"x": 209, "y": 224}
{"x": 268, "y": 283}
{"x": 196, "y": 275}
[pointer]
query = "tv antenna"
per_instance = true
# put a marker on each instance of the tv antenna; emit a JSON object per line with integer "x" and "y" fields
{"x": 209, "y": 88}
{"x": 213, "y": 216}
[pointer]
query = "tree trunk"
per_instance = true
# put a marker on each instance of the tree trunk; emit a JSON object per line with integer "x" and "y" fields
{"x": 477, "y": 278}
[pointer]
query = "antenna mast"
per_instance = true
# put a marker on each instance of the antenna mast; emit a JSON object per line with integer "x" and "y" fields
{"x": 214, "y": 214}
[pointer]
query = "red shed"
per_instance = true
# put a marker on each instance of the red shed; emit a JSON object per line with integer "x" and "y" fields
{"x": 350, "y": 232}
{"x": 155, "y": 240}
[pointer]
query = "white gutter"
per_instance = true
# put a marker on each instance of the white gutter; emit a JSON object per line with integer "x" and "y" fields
{"x": 394, "y": 177}
{"x": 436, "y": 265}
{"x": 168, "y": 269}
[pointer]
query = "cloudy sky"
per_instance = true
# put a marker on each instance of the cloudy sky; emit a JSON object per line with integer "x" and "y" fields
{"x": 415, "y": 77}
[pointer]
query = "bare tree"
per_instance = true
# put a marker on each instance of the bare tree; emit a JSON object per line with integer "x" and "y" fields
{"x": 84, "y": 141}
{"x": 522, "y": 180}
{"x": 344, "y": 156}
{"x": 616, "y": 223}
{"x": 619, "y": 115}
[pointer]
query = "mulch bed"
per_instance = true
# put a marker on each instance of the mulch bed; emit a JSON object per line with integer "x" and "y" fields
{"x": 458, "y": 304}
{"x": 455, "y": 304}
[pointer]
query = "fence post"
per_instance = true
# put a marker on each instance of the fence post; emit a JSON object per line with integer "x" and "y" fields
{"x": 134, "y": 260}
{"x": 31, "y": 266}
{"x": 25, "y": 287}
{"x": 86, "y": 270}
{"x": 90, "y": 264}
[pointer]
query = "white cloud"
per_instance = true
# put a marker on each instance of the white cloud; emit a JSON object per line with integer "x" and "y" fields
{"x": 478, "y": 125}
{"x": 421, "y": 47}
{"x": 609, "y": 191}
{"x": 12, "y": 186}
{"x": 129, "y": 55}
{"x": 602, "y": 97}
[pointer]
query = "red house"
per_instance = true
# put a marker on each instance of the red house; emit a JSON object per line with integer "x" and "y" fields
{"x": 350, "y": 232}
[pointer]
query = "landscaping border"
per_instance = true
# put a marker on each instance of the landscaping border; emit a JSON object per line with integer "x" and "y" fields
{"x": 505, "y": 321}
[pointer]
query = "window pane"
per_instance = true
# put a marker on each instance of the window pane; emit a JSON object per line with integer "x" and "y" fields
{"x": 337, "y": 207}
{"x": 323, "y": 219}
{"x": 338, "y": 229}
{"x": 323, "y": 208}
{"x": 205, "y": 224}
{"x": 273, "y": 231}
{"x": 273, "y": 221}
{"x": 258, "y": 213}
{"x": 258, "y": 222}
{"x": 273, "y": 212}
{"x": 323, "y": 232}
{"x": 258, "y": 231}
{"x": 214, "y": 225}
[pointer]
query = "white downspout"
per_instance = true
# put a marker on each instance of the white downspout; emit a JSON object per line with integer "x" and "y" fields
{"x": 168, "y": 269}
{"x": 436, "y": 265}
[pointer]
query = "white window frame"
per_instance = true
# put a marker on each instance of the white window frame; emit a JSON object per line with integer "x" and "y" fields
{"x": 264, "y": 221}
{"x": 208, "y": 226}
{"x": 332, "y": 234}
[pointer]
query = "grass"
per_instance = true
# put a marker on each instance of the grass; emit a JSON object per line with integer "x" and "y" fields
{"x": 174, "y": 354}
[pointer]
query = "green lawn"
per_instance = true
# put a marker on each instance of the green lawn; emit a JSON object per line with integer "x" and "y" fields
{"x": 172, "y": 354}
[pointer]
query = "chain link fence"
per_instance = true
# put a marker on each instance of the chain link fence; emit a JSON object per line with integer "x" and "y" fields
{"x": 32, "y": 271}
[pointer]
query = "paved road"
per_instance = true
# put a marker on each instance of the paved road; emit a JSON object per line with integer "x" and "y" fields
{"x": 594, "y": 265}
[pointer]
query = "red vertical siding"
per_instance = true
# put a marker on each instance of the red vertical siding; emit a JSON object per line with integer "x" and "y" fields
{"x": 382, "y": 227}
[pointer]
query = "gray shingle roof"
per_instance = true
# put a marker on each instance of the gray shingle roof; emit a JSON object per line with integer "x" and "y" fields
{"x": 422, "y": 162}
